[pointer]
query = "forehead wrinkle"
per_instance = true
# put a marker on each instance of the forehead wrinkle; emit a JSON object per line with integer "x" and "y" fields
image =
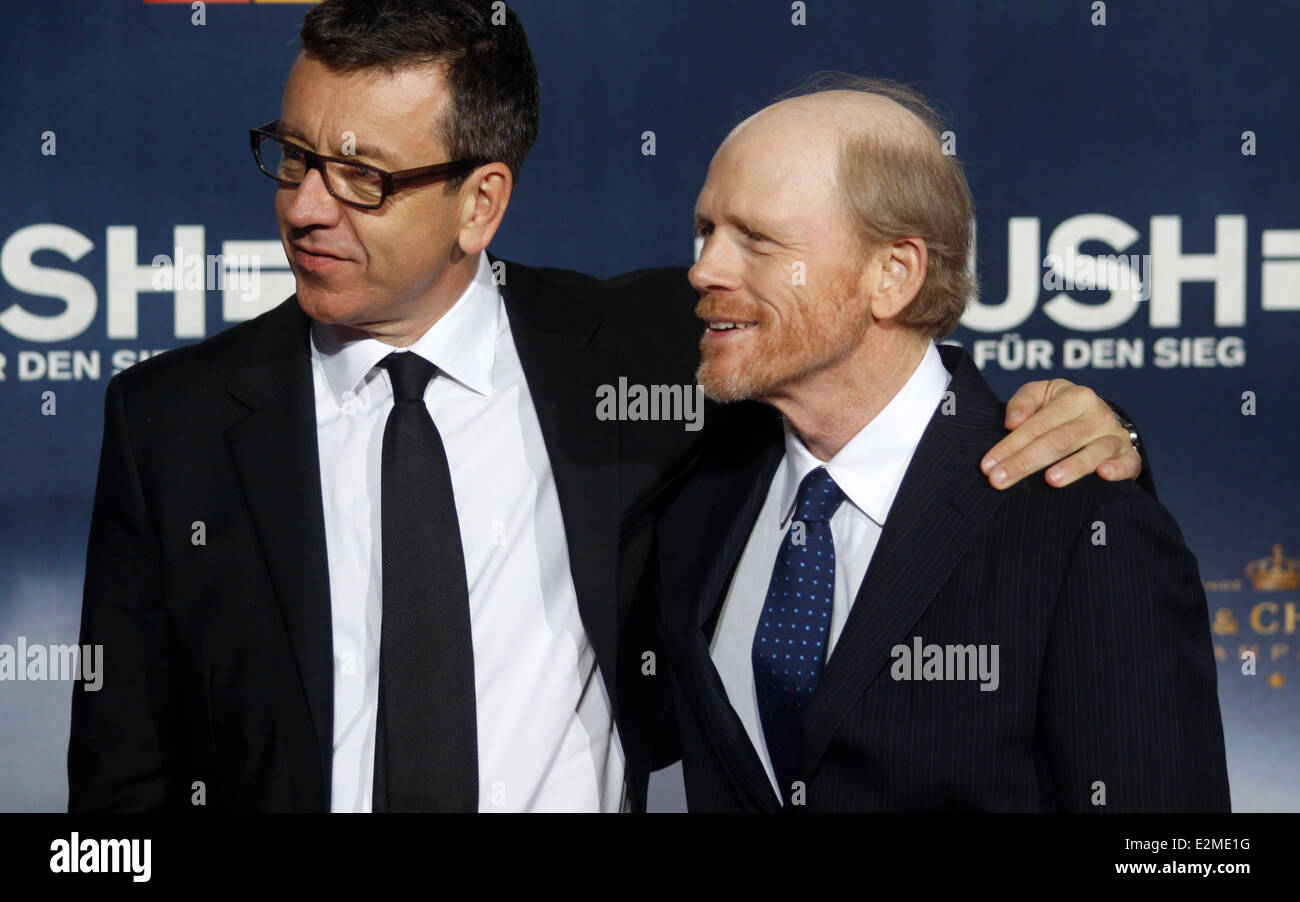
{"x": 770, "y": 170}
{"x": 360, "y": 150}
{"x": 375, "y": 108}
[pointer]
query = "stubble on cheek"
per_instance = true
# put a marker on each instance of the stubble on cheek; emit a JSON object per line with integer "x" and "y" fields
{"x": 811, "y": 333}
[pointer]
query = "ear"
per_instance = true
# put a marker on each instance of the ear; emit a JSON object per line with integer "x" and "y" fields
{"x": 483, "y": 201}
{"x": 898, "y": 272}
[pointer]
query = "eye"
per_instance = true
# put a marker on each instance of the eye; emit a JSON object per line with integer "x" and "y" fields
{"x": 292, "y": 152}
{"x": 704, "y": 229}
{"x": 756, "y": 236}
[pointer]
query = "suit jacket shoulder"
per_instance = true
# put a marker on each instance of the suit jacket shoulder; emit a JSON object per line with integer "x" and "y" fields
{"x": 1088, "y": 593}
{"x": 649, "y": 312}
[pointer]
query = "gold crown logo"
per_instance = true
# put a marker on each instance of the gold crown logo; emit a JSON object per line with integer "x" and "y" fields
{"x": 1225, "y": 622}
{"x": 1274, "y": 574}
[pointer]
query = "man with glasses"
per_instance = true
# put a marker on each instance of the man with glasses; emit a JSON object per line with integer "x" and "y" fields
{"x": 374, "y": 550}
{"x": 348, "y": 181}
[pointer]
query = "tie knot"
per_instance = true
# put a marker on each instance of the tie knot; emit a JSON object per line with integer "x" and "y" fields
{"x": 410, "y": 374}
{"x": 818, "y": 497}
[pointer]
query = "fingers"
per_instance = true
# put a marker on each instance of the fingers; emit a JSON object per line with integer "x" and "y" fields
{"x": 1074, "y": 419}
{"x": 1063, "y": 402}
{"x": 1109, "y": 457}
{"x": 1028, "y": 399}
{"x": 1047, "y": 448}
{"x": 1127, "y": 466}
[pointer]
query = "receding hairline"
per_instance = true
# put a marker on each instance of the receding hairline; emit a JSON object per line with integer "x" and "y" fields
{"x": 848, "y": 115}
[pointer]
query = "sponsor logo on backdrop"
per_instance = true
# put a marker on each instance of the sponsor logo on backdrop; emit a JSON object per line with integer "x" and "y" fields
{"x": 245, "y": 278}
{"x": 1261, "y": 636}
{"x": 250, "y": 277}
{"x": 1093, "y": 293}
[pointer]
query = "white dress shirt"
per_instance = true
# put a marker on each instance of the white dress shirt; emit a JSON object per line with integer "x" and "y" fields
{"x": 546, "y": 734}
{"x": 869, "y": 469}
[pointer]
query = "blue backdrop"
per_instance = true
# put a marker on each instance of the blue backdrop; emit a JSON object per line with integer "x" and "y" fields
{"x": 1161, "y": 134}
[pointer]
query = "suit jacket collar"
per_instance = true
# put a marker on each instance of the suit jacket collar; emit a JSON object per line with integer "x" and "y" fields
{"x": 274, "y": 449}
{"x": 941, "y": 503}
{"x": 559, "y": 342}
{"x": 734, "y": 481}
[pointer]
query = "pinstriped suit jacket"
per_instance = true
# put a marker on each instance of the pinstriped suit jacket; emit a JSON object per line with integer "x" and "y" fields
{"x": 1107, "y": 686}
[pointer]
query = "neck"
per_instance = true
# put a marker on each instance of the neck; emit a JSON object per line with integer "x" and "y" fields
{"x": 436, "y": 300}
{"x": 832, "y": 405}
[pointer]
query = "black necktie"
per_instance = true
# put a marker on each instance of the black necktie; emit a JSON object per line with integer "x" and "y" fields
{"x": 426, "y": 740}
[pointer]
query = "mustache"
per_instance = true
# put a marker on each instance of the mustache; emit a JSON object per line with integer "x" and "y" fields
{"x": 721, "y": 307}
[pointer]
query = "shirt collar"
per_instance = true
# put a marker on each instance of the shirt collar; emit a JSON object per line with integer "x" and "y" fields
{"x": 869, "y": 469}
{"x": 462, "y": 343}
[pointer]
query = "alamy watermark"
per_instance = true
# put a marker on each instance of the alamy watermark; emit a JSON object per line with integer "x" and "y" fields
{"x": 76, "y": 855}
{"x": 651, "y": 402}
{"x": 946, "y": 662}
{"x": 1073, "y": 271}
{"x": 208, "y": 272}
{"x": 38, "y": 662}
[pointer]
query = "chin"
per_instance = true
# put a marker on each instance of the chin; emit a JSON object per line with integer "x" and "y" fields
{"x": 325, "y": 305}
{"x": 727, "y": 378}
{"x": 319, "y": 308}
{"x": 725, "y": 384}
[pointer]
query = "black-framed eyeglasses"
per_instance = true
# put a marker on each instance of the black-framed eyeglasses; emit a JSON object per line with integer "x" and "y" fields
{"x": 353, "y": 183}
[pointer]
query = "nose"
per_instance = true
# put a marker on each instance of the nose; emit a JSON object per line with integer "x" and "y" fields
{"x": 311, "y": 204}
{"x": 717, "y": 268}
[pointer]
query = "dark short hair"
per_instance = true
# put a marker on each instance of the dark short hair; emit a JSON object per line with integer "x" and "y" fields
{"x": 481, "y": 44}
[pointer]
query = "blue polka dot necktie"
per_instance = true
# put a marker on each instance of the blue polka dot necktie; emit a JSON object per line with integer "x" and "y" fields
{"x": 790, "y": 641}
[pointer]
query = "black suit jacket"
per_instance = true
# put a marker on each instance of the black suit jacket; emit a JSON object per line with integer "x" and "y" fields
{"x": 218, "y": 662}
{"x": 1107, "y": 677}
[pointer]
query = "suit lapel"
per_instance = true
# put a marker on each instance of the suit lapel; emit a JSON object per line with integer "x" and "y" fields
{"x": 737, "y": 496}
{"x": 563, "y": 363}
{"x": 943, "y": 500}
{"x": 275, "y": 455}
{"x": 734, "y": 485}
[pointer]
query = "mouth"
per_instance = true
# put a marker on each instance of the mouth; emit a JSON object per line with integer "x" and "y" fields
{"x": 721, "y": 330}
{"x": 314, "y": 260}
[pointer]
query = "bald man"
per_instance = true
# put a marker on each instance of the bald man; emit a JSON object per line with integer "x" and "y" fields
{"x": 430, "y": 588}
{"x": 855, "y": 619}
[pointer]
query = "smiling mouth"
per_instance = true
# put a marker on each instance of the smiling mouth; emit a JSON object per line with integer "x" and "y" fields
{"x": 724, "y": 326}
